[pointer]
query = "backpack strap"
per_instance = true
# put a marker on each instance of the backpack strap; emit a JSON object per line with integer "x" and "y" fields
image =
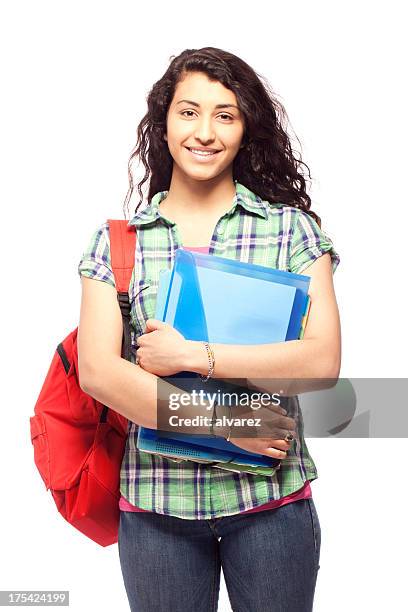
{"x": 122, "y": 250}
{"x": 122, "y": 239}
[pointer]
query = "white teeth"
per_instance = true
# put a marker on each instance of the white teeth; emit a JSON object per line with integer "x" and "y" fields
{"x": 197, "y": 152}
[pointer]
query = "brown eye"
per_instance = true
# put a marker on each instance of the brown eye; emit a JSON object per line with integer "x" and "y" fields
{"x": 186, "y": 111}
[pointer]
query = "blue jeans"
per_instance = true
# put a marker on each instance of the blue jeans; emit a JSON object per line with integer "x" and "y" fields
{"x": 270, "y": 560}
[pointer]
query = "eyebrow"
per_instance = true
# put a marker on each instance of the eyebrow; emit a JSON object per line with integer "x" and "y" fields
{"x": 216, "y": 106}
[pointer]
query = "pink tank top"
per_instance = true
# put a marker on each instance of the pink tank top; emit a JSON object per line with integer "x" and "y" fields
{"x": 303, "y": 493}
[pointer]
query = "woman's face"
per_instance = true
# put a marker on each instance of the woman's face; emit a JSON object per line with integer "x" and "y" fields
{"x": 203, "y": 115}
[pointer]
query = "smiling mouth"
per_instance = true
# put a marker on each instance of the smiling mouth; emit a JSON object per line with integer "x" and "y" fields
{"x": 200, "y": 153}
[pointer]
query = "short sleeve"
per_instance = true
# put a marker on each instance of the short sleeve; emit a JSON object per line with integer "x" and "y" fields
{"x": 95, "y": 261}
{"x": 309, "y": 242}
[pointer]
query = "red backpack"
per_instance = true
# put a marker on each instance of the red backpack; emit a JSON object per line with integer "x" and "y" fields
{"x": 78, "y": 442}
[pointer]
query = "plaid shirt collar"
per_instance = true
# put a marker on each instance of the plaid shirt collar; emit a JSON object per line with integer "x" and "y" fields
{"x": 243, "y": 196}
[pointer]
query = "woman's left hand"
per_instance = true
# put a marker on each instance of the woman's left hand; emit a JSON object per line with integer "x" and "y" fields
{"x": 162, "y": 349}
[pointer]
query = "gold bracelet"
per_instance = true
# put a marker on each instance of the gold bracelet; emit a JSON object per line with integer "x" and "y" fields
{"x": 213, "y": 420}
{"x": 211, "y": 361}
{"x": 229, "y": 433}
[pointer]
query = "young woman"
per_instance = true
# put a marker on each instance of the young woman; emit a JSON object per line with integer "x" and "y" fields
{"x": 223, "y": 179}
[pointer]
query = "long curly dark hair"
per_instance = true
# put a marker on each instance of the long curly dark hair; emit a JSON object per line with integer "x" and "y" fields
{"x": 266, "y": 164}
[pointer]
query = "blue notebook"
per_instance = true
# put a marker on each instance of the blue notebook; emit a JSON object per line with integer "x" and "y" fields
{"x": 154, "y": 442}
{"x": 219, "y": 300}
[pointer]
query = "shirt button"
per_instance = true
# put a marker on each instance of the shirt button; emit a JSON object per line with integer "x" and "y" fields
{"x": 220, "y": 230}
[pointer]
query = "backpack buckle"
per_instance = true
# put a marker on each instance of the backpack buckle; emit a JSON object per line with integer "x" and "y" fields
{"x": 123, "y": 299}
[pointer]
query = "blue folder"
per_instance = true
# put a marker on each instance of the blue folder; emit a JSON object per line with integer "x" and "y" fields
{"x": 225, "y": 301}
{"x": 219, "y": 300}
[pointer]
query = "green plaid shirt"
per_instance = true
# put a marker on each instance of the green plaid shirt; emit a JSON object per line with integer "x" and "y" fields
{"x": 254, "y": 231}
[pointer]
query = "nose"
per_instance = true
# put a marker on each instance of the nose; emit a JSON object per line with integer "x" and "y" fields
{"x": 204, "y": 130}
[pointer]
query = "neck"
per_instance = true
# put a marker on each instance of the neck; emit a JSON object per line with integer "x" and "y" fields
{"x": 185, "y": 194}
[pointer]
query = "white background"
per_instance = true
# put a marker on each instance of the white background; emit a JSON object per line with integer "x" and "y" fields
{"x": 74, "y": 82}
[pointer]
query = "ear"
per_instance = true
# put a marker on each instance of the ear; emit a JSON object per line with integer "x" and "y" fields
{"x": 165, "y": 137}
